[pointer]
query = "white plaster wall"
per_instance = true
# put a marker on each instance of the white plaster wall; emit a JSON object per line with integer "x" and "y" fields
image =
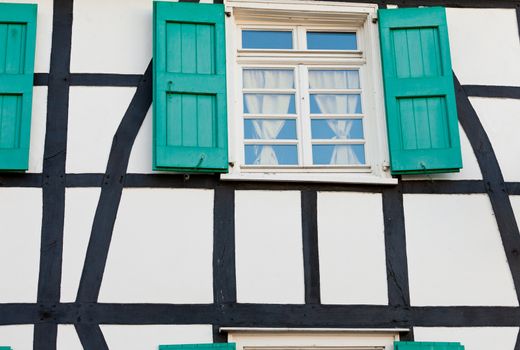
{"x": 42, "y": 57}
{"x": 67, "y": 338}
{"x": 161, "y": 250}
{"x": 484, "y": 46}
{"x": 150, "y": 337}
{"x": 94, "y": 116}
{"x": 500, "y": 118}
{"x": 351, "y": 248}
{"x": 141, "y": 156}
{"x": 455, "y": 253}
{"x": 107, "y": 33}
{"x": 475, "y": 338}
{"x": 21, "y": 216}
{"x": 19, "y": 337}
{"x": 80, "y": 208}
{"x": 38, "y": 126}
{"x": 268, "y": 239}
{"x": 470, "y": 168}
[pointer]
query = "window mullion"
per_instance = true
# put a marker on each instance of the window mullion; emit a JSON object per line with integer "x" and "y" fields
{"x": 305, "y": 116}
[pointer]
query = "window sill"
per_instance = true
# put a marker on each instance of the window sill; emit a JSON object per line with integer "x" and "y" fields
{"x": 352, "y": 178}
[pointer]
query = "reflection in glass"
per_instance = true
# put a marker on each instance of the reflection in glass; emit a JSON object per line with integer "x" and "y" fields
{"x": 266, "y": 39}
{"x": 335, "y": 104}
{"x": 271, "y": 154}
{"x": 331, "y": 41}
{"x": 268, "y": 79}
{"x": 269, "y": 104}
{"x": 338, "y": 154}
{"x": 341, "y": 129}
{"x": 333, "y": 79}
{"x": 270, "y": 129}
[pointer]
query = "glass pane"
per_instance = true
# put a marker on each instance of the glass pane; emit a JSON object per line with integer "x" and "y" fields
{"x": 268, "y": 79}
{"x": 266, "y": 39}
{"x": 270, "y": 129}
{"x": 337, "y": 129}
{"x": 269, "y": 104}
{"x": 271, "y": 154}
{"x": 338, "y": 154}
{"x": 333, "y": 79}
{"x": 335, "y": 104}
{"x": 331, "y": 41}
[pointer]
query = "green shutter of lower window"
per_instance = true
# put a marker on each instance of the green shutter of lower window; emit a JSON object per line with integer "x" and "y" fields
{"x": 17, "y": 45}
{"x": 5, "y": 348}
{"x": 419, "y": 92}
{"x": 190, "y": 118}
{"x": 410, "y": 345}
{"x": 213, "y": 346}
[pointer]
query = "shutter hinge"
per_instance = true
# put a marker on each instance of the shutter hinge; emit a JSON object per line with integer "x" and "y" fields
{"x": 385, "y": 166}
{"x": 374, "y": 20}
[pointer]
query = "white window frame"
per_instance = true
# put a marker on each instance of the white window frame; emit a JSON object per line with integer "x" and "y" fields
{"x": 302, "y": 16}
{"x": 313, "y": 338}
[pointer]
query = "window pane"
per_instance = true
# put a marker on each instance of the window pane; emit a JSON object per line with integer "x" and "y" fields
{"x": 270, "y": 129}
{"x": 271, "y": 154}
{"x": 263, "y": 39}
{"x": 338, "y": 154}
{"x": 269, "y": 104}
{"x": 268, "y": 79}
{"x": 335, "y": 104}
{"x": 331, "y": 41}
{"x": 333, "y": 79}
{"x": 337, "y": 129}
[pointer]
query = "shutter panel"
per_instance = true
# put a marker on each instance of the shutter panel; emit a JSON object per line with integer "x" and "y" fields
{"x": 419, "y": 92}
{"x": 17, "y": 44}
{"x": 190, "y": 119}
{"x": 213, "y": 346}
{"x": 406, "y": 345}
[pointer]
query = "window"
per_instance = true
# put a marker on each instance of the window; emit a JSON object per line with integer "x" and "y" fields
{"x": 17, "y": 45}
{"x": 305, "y": 92}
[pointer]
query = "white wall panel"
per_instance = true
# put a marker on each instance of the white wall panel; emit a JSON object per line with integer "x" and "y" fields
{"x": 67, "y": 338}
{"x": 475, "y": 338}
{"x": 141, "y": 156}
{"x": 150, "y": 337}
{"x": 269, "y": 255}
{"x": 455, "y": 253}
{"x": 19, "y": 337}
{"x": 38, "y": 122}
{"x": 21, "y": 216}
{"x": 94, "y": 116}
{"x": 500, "y": 118}
{"x": 112, "y": 36}
{"x": 351, "y": 248}
{"x": 470, "y": 168}
{"x": 161, "y": 249}
{"x": 484, "y": 46}
{"x": 80, "y": 208}
{"x": 42, "y": 57}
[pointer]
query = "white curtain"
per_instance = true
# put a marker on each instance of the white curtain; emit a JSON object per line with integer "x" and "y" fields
{"x": 335, "y": 104}
{"x": 267, "y": 104}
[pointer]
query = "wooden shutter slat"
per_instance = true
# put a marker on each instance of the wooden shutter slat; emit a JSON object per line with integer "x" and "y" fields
{"x": 419, "y": 92}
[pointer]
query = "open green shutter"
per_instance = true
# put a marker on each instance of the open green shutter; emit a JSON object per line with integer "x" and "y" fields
{"x": 190, "y": 119}
{"x": 419, "y": 92}
{"x": 17, "y": 44}
{"x": 410, "y": 345}
{"x": 5, "y": 348}
{"x": 213, "y": 346}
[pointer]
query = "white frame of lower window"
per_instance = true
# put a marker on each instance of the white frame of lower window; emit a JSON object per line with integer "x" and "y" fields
{"x": 312, "y": 338}
{"x": 329, "y": 16}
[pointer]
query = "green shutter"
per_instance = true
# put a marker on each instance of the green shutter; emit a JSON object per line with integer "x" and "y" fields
{"x": 409, "y": 345}
{"x": 5, "y": 348}
{"x": 190, "y": 119}
{"x": 213, "y": 346}
{"x": 419, "y": 92}
{"x": 17, "y": 44}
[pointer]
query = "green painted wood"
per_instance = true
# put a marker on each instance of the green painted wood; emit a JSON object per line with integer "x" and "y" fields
{"x": 420, "y": 103}
{"x": 213, "y": 346}
{"x": 17, "y": 48}
{"x": 5, "y": 348}
{"x": 190, "y": 114}
{"x": 405, "y": 345}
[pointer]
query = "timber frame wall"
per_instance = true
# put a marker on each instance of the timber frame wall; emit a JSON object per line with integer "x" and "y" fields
{"x": 87, "y": 314}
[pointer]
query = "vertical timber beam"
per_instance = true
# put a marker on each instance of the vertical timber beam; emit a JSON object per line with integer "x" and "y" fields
{"x": 311, "y": 265}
